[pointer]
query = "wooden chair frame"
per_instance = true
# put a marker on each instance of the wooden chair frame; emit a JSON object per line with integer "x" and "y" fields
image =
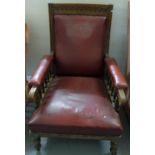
{"x": 117, "y": 96}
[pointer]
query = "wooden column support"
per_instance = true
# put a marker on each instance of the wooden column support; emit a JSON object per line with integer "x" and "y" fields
{"x": 32, "y": 95}
{"x": 36, "y": 94}
{"x": 117, "y": 96}
{"x": 121, "y": 96}
{"x": 113, "y": 147}
{"x": 37, "y": 142}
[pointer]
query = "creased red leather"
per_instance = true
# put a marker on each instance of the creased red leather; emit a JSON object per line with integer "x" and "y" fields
{"x": 41, "y": 70}
{"x": 79, "y": 44}
{"x": 76, "y": 105}
{"x": 115, "y": 72}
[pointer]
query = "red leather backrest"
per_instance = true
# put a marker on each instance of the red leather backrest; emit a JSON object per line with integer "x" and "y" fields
{"x": 79, "y": 44}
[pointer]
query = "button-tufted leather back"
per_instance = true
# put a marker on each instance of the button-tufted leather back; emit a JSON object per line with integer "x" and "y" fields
{"x": 79, "y": 44}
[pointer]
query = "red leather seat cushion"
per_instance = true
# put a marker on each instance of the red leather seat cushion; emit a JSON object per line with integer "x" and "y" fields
{"x": 76, "y": 105}
{"x": 79, "y": 44}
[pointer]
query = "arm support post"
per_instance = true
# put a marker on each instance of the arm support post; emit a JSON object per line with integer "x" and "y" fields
{"x": 40, "y": 79}
{"x": 115, "y": 82}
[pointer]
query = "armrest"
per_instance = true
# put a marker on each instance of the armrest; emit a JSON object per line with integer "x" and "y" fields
{"x": 41, "y": 71}
{"x": 114, "y": 71}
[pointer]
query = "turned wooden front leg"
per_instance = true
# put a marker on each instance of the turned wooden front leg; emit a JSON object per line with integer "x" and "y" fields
{"x": 113, "y": 147}
{"x": 37, "y": 142}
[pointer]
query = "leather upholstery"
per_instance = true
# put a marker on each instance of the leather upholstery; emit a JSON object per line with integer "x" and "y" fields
{"x": 76, "y": 105}
{"x": 79, "y": 44}
{"x": 117, "y": 76}
{"x": 41, "y": 71}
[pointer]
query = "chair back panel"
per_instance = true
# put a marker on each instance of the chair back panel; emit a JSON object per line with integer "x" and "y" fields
{"x": 79, "y": 44}
{"x": 79, "y": 37}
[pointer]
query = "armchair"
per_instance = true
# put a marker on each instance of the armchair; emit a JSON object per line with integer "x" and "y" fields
{"x": 78, "y": 89}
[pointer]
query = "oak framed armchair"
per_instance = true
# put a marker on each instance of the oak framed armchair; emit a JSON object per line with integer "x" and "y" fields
{"x": 78, "y": 89}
